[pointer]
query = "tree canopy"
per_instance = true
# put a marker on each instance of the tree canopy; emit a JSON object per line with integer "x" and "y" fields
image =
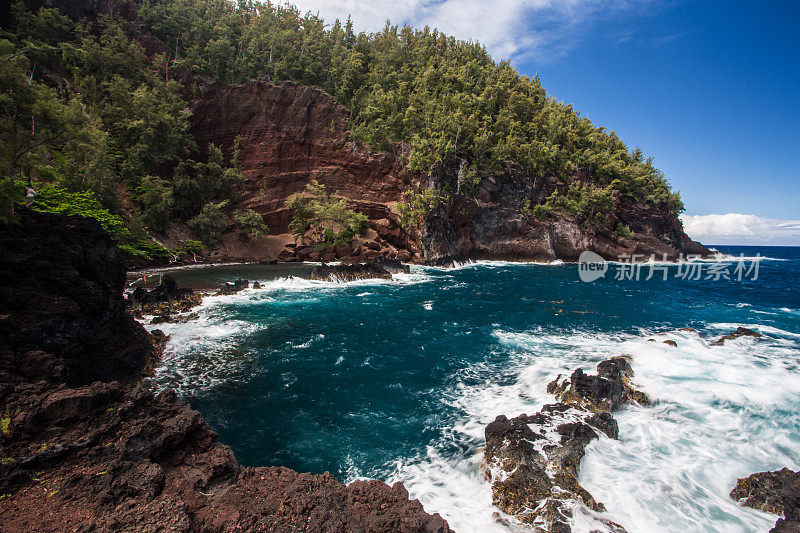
{"x": 81, "y": 106}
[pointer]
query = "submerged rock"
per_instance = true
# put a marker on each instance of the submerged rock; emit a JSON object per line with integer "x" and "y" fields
{"x": 740, "y": 332}
{"x": 773, "y": 492}
{"x": 533, "y": 460}
{"x": 350, "y": 272}
{"x": 238, "y": 284}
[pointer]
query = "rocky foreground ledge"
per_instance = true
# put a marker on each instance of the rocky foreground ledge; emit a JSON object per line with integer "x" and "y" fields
{"x": 84, "y": 447}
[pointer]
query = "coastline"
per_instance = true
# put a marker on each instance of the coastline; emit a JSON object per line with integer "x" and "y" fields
{"x": 87, "y": 446}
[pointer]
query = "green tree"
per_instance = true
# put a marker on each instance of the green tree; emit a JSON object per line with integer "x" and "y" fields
{"x": 210, "y": 222}
{"x": 154, "y": 197}
{"x": 250, "y": 222}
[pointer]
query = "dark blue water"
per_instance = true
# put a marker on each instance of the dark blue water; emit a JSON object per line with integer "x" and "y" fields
{"x": 396, "y": 380}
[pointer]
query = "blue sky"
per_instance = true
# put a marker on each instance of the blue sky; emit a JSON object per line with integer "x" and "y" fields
{"x": 710, "y": 89}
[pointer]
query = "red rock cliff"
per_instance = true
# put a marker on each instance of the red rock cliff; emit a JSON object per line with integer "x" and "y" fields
{"x": 291, "y": 134}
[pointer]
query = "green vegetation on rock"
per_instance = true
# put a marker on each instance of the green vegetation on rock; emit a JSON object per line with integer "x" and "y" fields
{"x": 330, "y": 221}
{"x": 84, "y": 108}
{"x": 250, "y": 222}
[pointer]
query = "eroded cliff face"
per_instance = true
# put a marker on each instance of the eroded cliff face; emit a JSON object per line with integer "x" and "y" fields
{"x": 85, "y": 447}
{"x": 493, "y": 224}
{"x": 292, "y": 134}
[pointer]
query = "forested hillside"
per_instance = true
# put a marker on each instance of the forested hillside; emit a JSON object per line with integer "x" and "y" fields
{"x": 96, "y": 113}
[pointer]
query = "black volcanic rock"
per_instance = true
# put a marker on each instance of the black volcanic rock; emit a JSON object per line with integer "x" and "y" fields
{"x": 534, "y": 460}
{"x": 238, "y": 284}
{"x": 165, "y": 291}
{"x": 773, "y": 492}
{"x": 350, "y": 272}
{"x": 393, "y": 266}
{"x": 61, "y": 281}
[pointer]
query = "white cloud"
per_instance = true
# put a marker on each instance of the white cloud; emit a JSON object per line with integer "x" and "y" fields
{"x": 510, "y": 29}
{"x": 736, "y": 228}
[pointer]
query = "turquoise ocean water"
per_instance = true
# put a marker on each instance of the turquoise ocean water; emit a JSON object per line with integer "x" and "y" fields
{"x": 396, "y": 380}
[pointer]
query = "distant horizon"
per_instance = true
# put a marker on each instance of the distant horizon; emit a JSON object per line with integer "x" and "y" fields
{"x": 753, "y": 245}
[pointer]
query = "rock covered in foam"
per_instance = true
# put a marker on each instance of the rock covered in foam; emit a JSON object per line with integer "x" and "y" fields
{"x": 164, "y": 302}
{"x": 238, "y": 285}
{"x": 773, "y": 492}
{"x": 740, "y": 332}
{"x": 533, "y": 460}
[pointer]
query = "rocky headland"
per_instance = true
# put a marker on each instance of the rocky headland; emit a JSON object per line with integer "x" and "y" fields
{"x": 293, "y": 134}
{"x": 86, "y": 447}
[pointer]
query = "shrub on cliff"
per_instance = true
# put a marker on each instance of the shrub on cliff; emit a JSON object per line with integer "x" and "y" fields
{"x": 250, "y": 222}
{"x": 210, "y": 223}
{"x": 623, "y": 230}
{"x": 414, "y": 206}
{"x": 586, "y": 202}
{"x": 330, "y": 221}
{"x": 56, "y": 199}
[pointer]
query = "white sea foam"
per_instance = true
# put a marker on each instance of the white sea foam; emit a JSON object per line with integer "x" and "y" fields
{"x": 486, "y": 263}
{"x": 720, "y": 412}
{"x": 202, "y": 353}
{"x": 451, "y": 481}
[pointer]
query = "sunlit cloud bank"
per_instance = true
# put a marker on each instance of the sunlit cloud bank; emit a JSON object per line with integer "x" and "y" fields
{"x": 736, "y": 228}
{"x": 511, "y": 29}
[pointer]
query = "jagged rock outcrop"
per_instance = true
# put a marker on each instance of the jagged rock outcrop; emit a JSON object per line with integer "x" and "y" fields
{"x": 165, "y": 302}
{"x": 533, "y": 460}
{"x": 773, "y": 492}
{"x": 349, "y": 272}
{"x": 165, "y": 291}
{"x": 380, "y": 267}
{"x": 237, "y": 285}
{"x": 740, "y": 332}
{"x": 84, "y": 447}
{"x": 394, "y": 266}
{"x": 61, "y": 282}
